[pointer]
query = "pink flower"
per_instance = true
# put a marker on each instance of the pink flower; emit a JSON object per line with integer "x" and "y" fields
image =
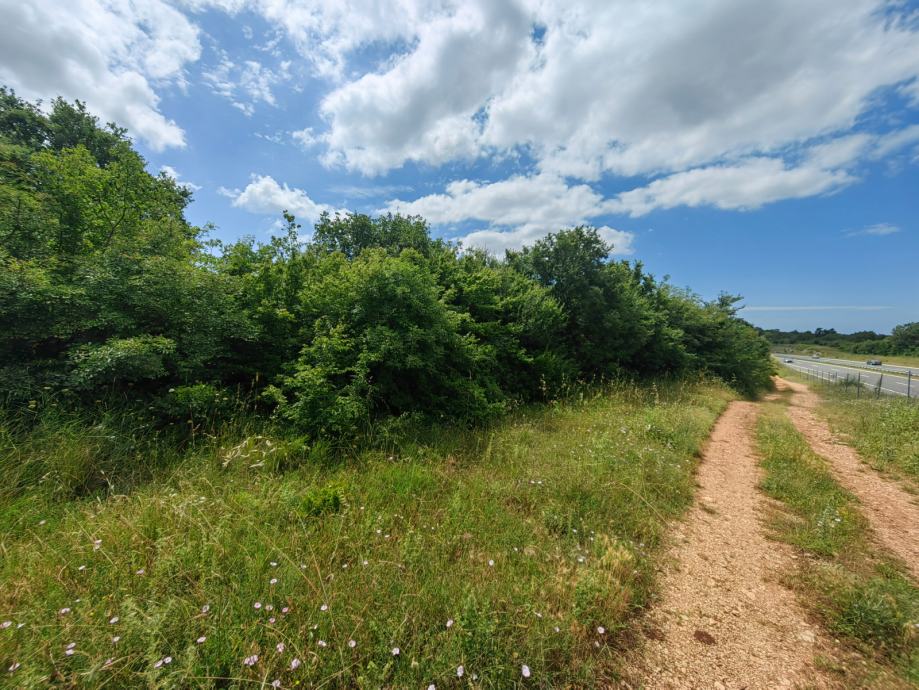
{"x": 280, "y": 647}
{"x": 294, "y": 664}
{"x": 251, "y": 660}
{"x": 257, "y": 605}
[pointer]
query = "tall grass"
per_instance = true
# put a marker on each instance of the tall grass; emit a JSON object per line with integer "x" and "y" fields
{"x": 476, "y": 552}
{"x": 859, "y": 592}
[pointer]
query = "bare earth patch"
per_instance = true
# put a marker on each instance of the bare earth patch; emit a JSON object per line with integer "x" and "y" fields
{"x": 724, "y": 621}
{"x": 892, "y": 512}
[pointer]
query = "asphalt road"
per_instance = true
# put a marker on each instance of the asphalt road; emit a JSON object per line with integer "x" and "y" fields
{"x": 891, "y": 384}
{"x": 855, "y": 364}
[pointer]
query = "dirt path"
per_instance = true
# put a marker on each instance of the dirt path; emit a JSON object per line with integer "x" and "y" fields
{"x": 724, "y": 621}
{"x": 892, "y": 512}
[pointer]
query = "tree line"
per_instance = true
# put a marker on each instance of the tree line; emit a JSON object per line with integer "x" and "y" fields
{"x": 107, "y": 291}
{"x": 903, "y": 340}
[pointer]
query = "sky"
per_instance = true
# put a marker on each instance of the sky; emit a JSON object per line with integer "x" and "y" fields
{"x": 766, "y": 148}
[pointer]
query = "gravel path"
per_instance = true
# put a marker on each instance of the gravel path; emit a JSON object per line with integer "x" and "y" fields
{"x": 892, "y": 512}
{"x": 724, "y": 621}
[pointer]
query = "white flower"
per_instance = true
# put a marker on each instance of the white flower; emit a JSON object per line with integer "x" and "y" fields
{"x": 324, "y": 607}
{"x": 158, "y": 664}
{"x": 294, "y": 664}
{"x": 601, "y": 630}
{"x": 460, "y": 671}
{"x": 71, "y": 645}
{"x": 205, "y": 608}
{"x": 274, "y": 564}
{"x": 64, "y": 611}
{"x": 280, "y": 647}
{"x": 257, "y": 605}
{"x": 285, "y": 609}
{"x": 116, "y": 639}
{"x": 269, "y": 607}
{"x": 140, "y": 572}
{"x": 432, "y": 687}
{"x": 167, "y": 660}
{"x": 525, "y": 671}
{"x": 450, "y": 623}
{"x": 251, "y": 660}
{"x": 113, "y": 620}
{"x": 69, "y": 652}
{"x": 5, "y": 624}
{"x": 15, "y": 666}
{"x": 352, "y": 644}
{"x": 201, "y": 640}
{"x": 322, "y": 643}
{"x": 82, "y": 568}
{"x": 273, "y": 581}
{"x": 276, "y": 683}
{"x": 108, "y": 662}
{"x": 271, "y": 620}
{"x": 395, "y": 651}
{"x": 491, "y": 563}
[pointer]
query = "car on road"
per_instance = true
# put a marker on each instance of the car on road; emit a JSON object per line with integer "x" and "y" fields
{"x": 788, "y": 361}
{"x": 873, "y": 362}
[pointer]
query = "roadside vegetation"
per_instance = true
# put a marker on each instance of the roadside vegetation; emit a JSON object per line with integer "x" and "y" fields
{"x": 860, "y": 593}
{"x": 513, "y": 554}
{"x": 884, "y": 430}
{"x": 902, "y": 345}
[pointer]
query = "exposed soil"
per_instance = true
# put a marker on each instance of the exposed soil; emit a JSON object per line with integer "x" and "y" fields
{"x": 724, "y": 621}
{"x": 892, "y": 512}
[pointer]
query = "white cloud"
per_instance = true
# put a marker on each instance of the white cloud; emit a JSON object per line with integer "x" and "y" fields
{"x": 110, "y": 55}
{"x": 263, "y": 195}
{"x": 305, "y": 137}
{"x": 174, "y": 174}
{"x": 876, "y": 230}
{"x": 518, "y": 210}
{"x": 246, "y": 83}
{"x": 745, "y": 185}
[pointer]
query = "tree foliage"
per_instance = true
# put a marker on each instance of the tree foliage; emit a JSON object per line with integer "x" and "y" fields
{"x": 106, "y": 289}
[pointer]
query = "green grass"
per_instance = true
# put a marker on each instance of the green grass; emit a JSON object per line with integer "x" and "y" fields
{"x": 859, "y": 592}
{"x": 884, "y": 430}
{"x": 528, "y": 536}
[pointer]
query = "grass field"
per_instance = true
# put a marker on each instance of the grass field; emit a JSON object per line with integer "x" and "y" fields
{"x": 884, "y": 430}
{"x": 833, "y": 353}
{"x": 510, "y": 556}
{"x": 859, "y": 592}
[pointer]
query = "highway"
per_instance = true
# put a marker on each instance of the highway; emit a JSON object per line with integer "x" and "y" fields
{"x": 893, "y": 383}
{"x": 855, "y": 364}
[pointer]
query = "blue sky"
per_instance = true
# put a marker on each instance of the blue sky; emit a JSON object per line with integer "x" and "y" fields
{"x": 769, "y": 149}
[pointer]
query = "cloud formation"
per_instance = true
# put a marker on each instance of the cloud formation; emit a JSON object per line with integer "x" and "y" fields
{"x": 264, "y": 195}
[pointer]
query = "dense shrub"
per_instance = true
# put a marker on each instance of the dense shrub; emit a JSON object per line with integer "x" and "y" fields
{"x": 107, "y": 291}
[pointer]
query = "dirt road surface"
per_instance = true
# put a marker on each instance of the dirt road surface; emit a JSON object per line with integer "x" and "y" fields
{"x": 724, "y": 620}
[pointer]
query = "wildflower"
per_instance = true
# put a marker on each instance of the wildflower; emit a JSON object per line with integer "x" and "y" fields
{"x": 64, "y": 611}
{"x": 601, "y": 630}
{"x": 251, "y": 660}
{"x": 525, "y": 671}
{"x": 97, "y": 544}
{"x": 460, "y": 671}
{"x": 580, "y": 559}
{"x": 395, "y": 651}
{"x": 269, "y": 607}
{"x": 167, "y": 660}
{"x": 140, "y": 572}
{"x": 344, "y": 566}
{"x": 365, "y": 562}
{"x": 432, "y": 687}
{"x": 69, "y": 652}
{"x": 22, "y": 625}
{"x": 158, "y": 664}
{"x": 82, "y": 568}
{"x": 42, "y": 522}
{"x": 116, "y": 639}
{"x": 322, "y": 643}
{"x": 205, "y": 608}
{"x": 294, "y": 664}
{"x": 450, "y": 623}
{"x": 108, "y": 662}
{"x": 273, "y": 581}
{"x": 352, "y": 644}
{"x": 285, "y": 609}
{"x": 15, "y": 666}
{"x": 324, "y": 607}
{"x": 271, "y": 620}
{"x": 201, "y": 640}
{"x": 538, "y": 614}
{"x": 276, "y": 683}
{"x": 71, "y": 645}
{"x": 257, "y": 605}
{"x": 491, "y": 563}
{"x": 274, "y": 564}
{"x": 280, "y": 647}
{"x": 557, "y": 629}
{"x": 113, "y": 620}
{"x": 5, "y": 624}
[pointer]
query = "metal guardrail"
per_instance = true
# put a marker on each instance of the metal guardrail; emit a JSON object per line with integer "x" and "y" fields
{"x": 832, "y": 377}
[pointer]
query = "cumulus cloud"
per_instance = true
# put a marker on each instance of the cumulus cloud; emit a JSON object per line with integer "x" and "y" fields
{"x": 174, "y": 174}
{"x": 518, "y": 210}
{"x": 265, "y": 196}
{"x": 746, "y": 185}
{"x": 110, "y": 55}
